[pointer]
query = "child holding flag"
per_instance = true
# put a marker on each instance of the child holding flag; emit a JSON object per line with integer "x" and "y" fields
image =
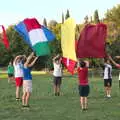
{"x": 27, "y": 80}
{"x": 18, "y": 67}
{"x": 57, "y": 73}
{"x": 107, "y": 77}
{"x": 83, "y": 84}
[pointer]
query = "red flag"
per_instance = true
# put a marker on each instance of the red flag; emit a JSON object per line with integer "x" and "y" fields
{"x": 92, "y": 41}
{"x": 69, "y": 64}
{"x": 5, "y": 39}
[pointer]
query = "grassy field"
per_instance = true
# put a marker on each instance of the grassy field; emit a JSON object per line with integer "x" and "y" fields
{"x": 45, "y": 106}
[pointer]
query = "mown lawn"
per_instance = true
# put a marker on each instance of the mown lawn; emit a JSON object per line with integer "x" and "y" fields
{"x": 45, "y": 106}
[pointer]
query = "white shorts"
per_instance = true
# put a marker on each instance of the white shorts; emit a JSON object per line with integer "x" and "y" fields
{"x": 27, "y": 86}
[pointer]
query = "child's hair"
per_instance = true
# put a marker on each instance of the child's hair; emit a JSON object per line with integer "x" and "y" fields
{"x": 82, "y": 64}
{"x": 58, "y": 58}
{"x": 106, "y": 60}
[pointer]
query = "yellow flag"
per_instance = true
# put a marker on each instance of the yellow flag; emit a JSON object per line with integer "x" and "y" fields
{"x": 68, "y": 39}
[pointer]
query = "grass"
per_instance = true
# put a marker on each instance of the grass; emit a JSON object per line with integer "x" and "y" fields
{"x": 45, "y": 106}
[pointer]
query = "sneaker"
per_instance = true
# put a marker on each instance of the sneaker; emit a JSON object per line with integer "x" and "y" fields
{"x": 26, "y": 107}
{"x": 17, "y": 99}
{"x": 108, "y": 96}
{"x": 83, "y": 109}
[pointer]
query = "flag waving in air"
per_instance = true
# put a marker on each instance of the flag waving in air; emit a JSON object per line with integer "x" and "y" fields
{"x": 92, "y": 41}
{"x": 68, "y": 44}
{"x": 4, "y": 37}
{"x": 35, "y": 35}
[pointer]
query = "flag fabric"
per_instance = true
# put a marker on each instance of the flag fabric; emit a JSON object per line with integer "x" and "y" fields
{"x": 92, "y": 41}
{"x": 4, "y": 37}
{"x": 68, "y": 44}
{"x": 35, "y": 35}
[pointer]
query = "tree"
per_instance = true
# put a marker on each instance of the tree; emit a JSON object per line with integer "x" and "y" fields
{"x": 62, "y": 18}
{"x": 45, "y": 22}
{"x": 67, "y": 14}
{"x": 86, "y": 19}
{"x": 96, "y": 17}
{"x": 112, "y": 18}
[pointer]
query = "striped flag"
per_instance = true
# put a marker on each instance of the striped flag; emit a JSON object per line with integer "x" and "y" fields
{"x": 68, "y": 44}
{"x": 35, "y": 35}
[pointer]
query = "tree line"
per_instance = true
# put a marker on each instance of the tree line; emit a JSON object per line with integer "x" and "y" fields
{"x": 18, "y": 46}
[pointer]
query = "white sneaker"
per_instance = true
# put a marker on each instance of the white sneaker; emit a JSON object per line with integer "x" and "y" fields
{"x": 108, "y": 96}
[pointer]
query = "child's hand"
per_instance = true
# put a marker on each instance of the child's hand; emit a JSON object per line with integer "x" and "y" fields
{"x": 118, "y": 57}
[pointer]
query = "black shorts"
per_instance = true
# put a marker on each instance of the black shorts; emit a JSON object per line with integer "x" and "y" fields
{"x": 84, "y": 90}
{"x": 10, "y": 75}
{"x": 108, "y": 82}
{"x": 57, "y": 80}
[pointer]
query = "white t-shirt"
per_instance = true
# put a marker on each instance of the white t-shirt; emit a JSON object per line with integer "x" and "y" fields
{"x": 107, "y": 71}
{"x": 57, "y": 70}
{"x": 18, "y": 67}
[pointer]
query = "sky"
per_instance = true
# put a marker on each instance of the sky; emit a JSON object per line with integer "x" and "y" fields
{"x": 13, "y": 11}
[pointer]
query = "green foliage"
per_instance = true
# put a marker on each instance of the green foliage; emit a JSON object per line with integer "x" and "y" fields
{"x": 67, "y": 14}
{"x": 96, "y": 17}
{"x": 62, "y": 18}
{"x": 45, "y": 22}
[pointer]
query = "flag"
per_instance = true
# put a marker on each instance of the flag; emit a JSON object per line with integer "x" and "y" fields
{"x": 68, "y": 44}
{"x": 92, "y": 41}
{"x": 4, "y": 37}
{"x": 35, "y": 35}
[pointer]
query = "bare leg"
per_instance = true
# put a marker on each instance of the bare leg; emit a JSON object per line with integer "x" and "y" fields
{"x": 58, "y": 90}
{"x": 27, "y": 98}
{"x": 82, "y": 102}
{"x": 55, "y": 89}
{"x": 106, "y": 91}
{"x": 17, "y": 92}
{"x": 109, "y": 91}
{"x": 86, "y": 103}
{"x": 23, "y": 98}
{"x": 8, "y": 79}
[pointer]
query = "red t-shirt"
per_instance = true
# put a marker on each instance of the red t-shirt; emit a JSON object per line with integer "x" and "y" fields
{"x": 83, "y": 76}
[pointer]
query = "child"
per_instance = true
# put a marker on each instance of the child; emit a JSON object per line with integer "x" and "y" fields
{"x": 83, "y": 83}
{"x": 10, "y": 71}
{"x": 117, "y": 65}
{"x": 18, "y": 69}
{"x": 27, "y": 80}
{"x": 107, "y": 77}
{"x": 57, "y": 74}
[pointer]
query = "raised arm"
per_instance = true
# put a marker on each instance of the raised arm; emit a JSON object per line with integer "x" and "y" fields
{"x": 110, "y": 58}
{"x": 29, "y": 59}
{"x": 56, "y": 57}
{"x": 118, "y": 57}
{"x": 33, "y": 62}
{"x": 87, "y": 63}
{"x": 17, "y": 58}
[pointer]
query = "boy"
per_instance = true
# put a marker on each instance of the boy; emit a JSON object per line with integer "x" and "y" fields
{"x": 27, "y": 80}
{"x": 18, "y": 67}
{"x": 83, "y": 83}
{"x": 107, "y": 77}
{"x": 57, "y": 73}
{"x": 10, "y": 71}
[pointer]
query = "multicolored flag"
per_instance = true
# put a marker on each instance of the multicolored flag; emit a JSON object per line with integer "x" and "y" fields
{"x": 4, "y": 37}
{"x": 92, "y": 41}
{"x": 35, "y": 35}
{"x": 68, "y": 44}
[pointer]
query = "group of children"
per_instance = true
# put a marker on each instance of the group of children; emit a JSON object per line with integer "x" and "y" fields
{"x": 21, "y": 69}
{"x": 83, "y": 83}
{"x": 21, "y": 73}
